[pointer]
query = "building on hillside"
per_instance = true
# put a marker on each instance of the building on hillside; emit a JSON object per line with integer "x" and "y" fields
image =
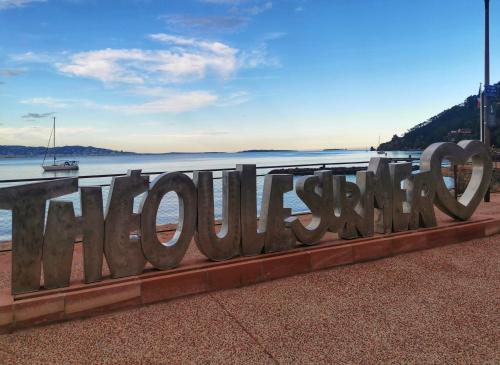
{"x": 459, "y": 134}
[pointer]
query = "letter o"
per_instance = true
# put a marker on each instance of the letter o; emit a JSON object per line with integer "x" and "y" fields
{"x": 166, "y": 255}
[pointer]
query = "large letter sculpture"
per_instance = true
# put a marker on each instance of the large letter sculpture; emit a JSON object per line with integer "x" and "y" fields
{"x": 278, "y": 236}
{"x": 169, "y": 254}
{"x": 354, "y": 207}
{"x": 252, "y": 240}
{"x": 400, "y": 174}
{"x": 382, "y": 194}
{"x": 27, "y": 203}
{"x": 432, "y": 159}
{"x": 92, "y": 231}
{"x": 420, "y": 194}
{"x": 385, "y": 198}
{"x": 122, "y": 245}
{"x": 317, "y": 193}
{"x": 225, "y": 244}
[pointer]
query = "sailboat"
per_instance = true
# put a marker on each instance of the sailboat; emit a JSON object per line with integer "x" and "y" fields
{"x": 57, "y": 165}
{"x": 380, "y": 152}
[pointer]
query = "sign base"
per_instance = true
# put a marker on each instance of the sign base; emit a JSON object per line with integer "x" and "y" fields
{"x": 84, "y": 300}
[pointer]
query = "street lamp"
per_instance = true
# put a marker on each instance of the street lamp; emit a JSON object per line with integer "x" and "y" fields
{"x": 485, "y": 135}
{"x": 485, "y": 130}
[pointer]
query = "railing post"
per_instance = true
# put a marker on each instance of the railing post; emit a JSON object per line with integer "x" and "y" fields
{"x": 455, "y": 179}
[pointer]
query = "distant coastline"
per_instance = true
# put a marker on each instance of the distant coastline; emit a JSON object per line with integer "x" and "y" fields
{"x": 252, "y": 151}
{"x": 18, "y": 151}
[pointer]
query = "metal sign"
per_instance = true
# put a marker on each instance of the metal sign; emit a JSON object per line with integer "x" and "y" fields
{"x": 491, "y": 117}
{"x": 491, "y": 91}
{"x": 128, "y": 240}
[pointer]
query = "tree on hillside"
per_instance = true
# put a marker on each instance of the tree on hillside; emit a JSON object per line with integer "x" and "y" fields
{"x": 464, "y": 116}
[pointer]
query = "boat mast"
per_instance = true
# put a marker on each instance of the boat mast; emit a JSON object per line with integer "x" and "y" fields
{"x": 54, "y": 129}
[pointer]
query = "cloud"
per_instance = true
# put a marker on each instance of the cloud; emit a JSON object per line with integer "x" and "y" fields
{"x": 11, "y": 72}
{"x": 204, "y": 23}
{"x": 47, "y": 101}
{"x": 37, "y": 115}
{"x": 187, "y": 59}
{"x": 160, "y": 101}
{"x": 225, "y": 2}
{"x": 146, "y": 72}
{"x": 256, "y": 9}
{"x": 258, "y": 57}
{"x": 38, "y": 134}
{"x": 240, "y": 7}
{"x": 236, "y": 98}
{"x": 9, "y": 4}
{"x": 108, "y": 65}
{"x": 273, "y": 36}
{"x": 56, "y": 103}
{"x": 33, "y": 57}
{"x": 182, "y": 59}
{"x": 173, "y": 103}
{"x": 215, "y": 47}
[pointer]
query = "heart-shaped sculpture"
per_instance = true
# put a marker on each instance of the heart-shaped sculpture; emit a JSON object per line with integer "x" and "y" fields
{"x": 460, "y": 153}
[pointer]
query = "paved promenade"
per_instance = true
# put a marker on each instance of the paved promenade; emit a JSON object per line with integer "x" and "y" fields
{"x": 434, "y": 306}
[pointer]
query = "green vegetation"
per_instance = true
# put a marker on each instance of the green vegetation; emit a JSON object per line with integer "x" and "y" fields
{"x": 438, "y": 128}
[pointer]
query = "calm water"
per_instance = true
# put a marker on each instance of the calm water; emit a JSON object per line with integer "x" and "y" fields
{"x": 20, "y": 168}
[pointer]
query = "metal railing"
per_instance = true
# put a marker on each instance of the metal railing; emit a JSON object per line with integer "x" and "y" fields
{"x": 170, "y": 207}
{"x": 152, "y": 173}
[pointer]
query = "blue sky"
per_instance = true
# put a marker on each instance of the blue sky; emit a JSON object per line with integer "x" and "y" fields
{"x": 227, "y": 75}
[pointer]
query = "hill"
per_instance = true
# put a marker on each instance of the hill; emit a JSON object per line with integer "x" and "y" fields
{"x": 265, "y": 151}
{"x": 454, "y": 124}
{"x": 25, "y": 151}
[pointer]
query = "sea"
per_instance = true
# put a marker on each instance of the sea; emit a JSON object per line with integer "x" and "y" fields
{"x": 30, "y": 168}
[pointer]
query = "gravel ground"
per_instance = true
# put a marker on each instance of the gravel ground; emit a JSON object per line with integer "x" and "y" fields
{"x": 435, "y": 306}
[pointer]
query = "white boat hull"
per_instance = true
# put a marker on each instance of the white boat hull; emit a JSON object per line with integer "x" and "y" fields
{"x": 60, "y": 167}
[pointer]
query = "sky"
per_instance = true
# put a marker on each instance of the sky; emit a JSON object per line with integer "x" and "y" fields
{"x": 230, "y": 75}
